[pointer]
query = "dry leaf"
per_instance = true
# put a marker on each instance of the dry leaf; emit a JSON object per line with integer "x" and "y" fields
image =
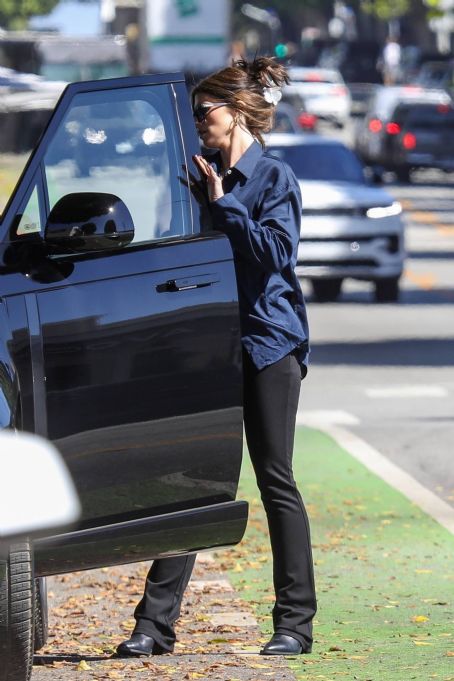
{"x": 83, "y": 666}
{"x": 419, "y": 618}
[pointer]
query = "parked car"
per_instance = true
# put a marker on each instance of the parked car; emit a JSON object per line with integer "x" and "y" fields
{"x": 349, "y": 228}
{"x": 37, "y": 496}
{"x": 119, "y": 332}
{"x": 375, "y": 134}
{"x": 288, "y": 119}
{"x": 324, "y": 92}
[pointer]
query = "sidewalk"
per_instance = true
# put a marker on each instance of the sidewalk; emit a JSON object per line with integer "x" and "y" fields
{"x": 385, "y": 578}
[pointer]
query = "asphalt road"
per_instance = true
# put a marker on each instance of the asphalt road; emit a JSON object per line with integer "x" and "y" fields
{"x": 390, "y": 367}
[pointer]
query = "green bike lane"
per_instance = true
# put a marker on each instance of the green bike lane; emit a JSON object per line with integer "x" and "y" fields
{"x": 384, "y": 572}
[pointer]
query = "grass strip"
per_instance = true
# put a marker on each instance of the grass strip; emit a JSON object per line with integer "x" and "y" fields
{"x": 384, "y": 572}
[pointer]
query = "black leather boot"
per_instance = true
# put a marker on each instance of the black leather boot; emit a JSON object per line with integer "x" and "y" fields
{"x": 281, "y": 644}
{"x": 140, "y": 644}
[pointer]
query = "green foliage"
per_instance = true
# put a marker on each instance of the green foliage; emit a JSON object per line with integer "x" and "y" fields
{"x": 393, "y": 9}
{"x": 15, "y": 13}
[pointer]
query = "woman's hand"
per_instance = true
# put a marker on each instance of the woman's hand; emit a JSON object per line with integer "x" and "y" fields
{"x": 213, "y": 180}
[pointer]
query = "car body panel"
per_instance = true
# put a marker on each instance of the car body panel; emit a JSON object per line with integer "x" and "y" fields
{"x": 373, "y": 143}
{"x": 323, "y": 90}
{"x": 127, "y": 358}
{"x": 338, "y": 237}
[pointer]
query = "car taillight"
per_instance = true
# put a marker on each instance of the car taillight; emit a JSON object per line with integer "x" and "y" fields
{"x": 409, "y": 141}
{"x": 393, "y": 128}
{"x": 307, "y": 121}
{"x": 375, "y": 125}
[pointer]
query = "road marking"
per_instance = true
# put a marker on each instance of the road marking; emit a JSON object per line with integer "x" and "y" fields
{"x": 424, "y": 216}
{"x": 378, "y": 464}
{"x": 315, "y": 417}
{"x": 446, "y": 230}
{"x": 407, "y": 391}
{"x": 424, "y": 281}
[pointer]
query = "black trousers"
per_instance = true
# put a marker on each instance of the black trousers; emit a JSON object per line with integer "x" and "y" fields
{"x": 270, "y": 406}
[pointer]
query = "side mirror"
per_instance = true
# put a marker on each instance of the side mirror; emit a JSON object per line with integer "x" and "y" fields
{"x": 88, "y": 221}
{"x": 36, "y": 490}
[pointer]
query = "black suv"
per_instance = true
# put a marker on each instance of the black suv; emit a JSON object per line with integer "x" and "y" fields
{"x": 119, "y": 341}
{"x": 406, "y": 127}
{"x": 423, "y": 137}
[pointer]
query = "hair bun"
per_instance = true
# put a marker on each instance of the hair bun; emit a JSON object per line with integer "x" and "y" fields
{"x": 264, "y": 71}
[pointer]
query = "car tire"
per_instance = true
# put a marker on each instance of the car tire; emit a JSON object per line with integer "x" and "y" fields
{"x": 326, "y": 290}
{"x": 16, "y": 613}
{"x": 403, "y": 174}
{"x": 387, "y": 290}
{"x": 41, "y": 616}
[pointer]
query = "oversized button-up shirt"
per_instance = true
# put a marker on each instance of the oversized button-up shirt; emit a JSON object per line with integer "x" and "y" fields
{"x": 260, "y": 213}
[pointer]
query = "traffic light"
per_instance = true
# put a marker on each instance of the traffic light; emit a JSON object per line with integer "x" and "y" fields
{"x": 281, "y": 50}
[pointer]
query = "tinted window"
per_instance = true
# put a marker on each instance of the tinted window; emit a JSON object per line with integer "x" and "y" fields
{"x": 426, "y": 116}
{"x": 124, "y": 142}
{"x": 283, "y": 122}
{"x": 331, "y": 162}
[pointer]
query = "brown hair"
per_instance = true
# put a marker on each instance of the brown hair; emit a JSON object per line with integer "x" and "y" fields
{"x": 241, "y": 86}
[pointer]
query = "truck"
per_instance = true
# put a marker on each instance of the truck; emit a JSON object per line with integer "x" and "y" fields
{"x": 188, "y": 35}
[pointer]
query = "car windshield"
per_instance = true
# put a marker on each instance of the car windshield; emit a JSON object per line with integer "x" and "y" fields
{"x": 328, "y": 162}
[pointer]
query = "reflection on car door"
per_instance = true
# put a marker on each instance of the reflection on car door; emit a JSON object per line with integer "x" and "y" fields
{"x": 136, "y": 369}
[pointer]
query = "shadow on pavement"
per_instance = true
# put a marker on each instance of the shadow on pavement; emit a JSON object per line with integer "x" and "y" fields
{"x": 417, "y": 296}
{"x": 429, "y": 352}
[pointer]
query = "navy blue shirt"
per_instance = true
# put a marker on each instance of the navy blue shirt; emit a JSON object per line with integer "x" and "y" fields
{"x": 260, "y": 213}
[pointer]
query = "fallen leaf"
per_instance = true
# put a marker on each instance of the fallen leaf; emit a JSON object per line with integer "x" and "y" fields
{"x": 419, "y": 618}
{"x": 83, "y": 666}
{"x": 422, "y": 643}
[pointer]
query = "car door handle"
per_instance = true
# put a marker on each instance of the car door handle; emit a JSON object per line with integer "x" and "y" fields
{"x": 187, "y": 283}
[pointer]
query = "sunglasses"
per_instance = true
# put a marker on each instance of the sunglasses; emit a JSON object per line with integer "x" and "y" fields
{"x": 201, "y": 111}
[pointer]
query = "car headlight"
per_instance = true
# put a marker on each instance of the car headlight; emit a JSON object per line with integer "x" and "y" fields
{"x": 384, "y": 211}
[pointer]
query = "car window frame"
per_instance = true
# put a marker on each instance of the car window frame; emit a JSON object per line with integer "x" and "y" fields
{"x": 34, "y": 165}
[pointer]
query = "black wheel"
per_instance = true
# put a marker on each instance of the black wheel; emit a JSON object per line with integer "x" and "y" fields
{"x": 387, "y": 290}
{"x": 403, "y": 174}
{"x": 41, "y": 613}
{"x": 16, "y": 613}
{"x": 326, "y": 289}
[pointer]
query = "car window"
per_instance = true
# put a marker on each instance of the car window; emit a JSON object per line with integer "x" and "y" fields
{"x": 125, "y": 142}
{"x": 321, "y": 162}
{"x": 283, "y": 122}
{"x": 440, "y": 116}
{"x": 30, "y": 221}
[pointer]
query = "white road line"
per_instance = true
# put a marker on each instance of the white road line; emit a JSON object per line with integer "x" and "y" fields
{"x": 405, "y": 391}
{"x": 324, "y": 416}
{"x": 405, "y": 483}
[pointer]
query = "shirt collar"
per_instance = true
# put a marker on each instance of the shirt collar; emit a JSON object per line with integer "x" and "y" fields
{"x": 247, "y": 162}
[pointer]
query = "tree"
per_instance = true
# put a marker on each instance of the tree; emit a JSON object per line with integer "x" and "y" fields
{"x": 14, "y": 14}
{"x": 393, "y": 9}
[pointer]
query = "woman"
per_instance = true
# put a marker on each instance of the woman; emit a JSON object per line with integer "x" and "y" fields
{"x": 255, "y": 200}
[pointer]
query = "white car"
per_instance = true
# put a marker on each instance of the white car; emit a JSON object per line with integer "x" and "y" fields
{"x": 324, "y": 91}
{"x": 349, "y": 228}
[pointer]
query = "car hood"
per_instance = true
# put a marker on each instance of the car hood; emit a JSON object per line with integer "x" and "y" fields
{"x": 318, "y": 195}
